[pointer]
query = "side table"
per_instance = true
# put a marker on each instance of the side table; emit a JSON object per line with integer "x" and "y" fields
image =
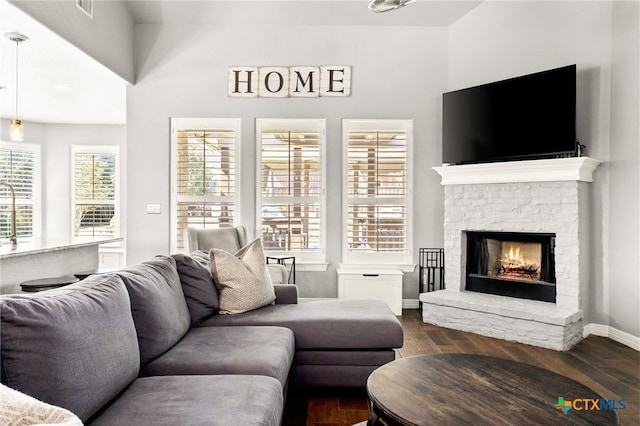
{"x": 282, "y": 260}
{"x": 42, "y": 284}
{"x": 430, "y": 270}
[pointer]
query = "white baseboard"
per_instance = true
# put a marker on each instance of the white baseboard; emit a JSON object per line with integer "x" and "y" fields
{"x": 612, "y": 333}
{"x": 410, "y": 303}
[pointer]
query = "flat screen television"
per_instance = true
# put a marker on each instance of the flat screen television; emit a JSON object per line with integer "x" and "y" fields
{"x": 527, "y": 117}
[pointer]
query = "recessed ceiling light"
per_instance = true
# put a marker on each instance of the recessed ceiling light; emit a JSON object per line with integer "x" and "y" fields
{"x": 62, "y": 87}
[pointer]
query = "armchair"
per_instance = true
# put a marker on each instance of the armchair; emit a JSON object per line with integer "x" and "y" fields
{"x": 231, "y": 240}
{"x": 227, "y": 239}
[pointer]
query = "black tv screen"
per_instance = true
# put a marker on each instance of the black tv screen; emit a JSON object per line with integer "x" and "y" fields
{"x": 531, "y": 116}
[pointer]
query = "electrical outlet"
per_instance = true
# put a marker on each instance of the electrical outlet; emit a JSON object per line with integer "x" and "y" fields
{"x": 155, "y": 208}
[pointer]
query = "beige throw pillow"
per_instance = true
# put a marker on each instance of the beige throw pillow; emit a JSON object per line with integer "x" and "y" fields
{"x": 242, "y": 279}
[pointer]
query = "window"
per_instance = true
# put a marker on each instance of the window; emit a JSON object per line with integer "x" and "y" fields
{"x": 204, "y": 175}
{"x": 20, "y": 168}
{"x": 377, "y": 191}
{"x": 291, "y": 182}
{"x": 95, "y": 198}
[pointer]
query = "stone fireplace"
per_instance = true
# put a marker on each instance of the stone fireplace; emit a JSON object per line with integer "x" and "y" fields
{"x": 543, "y": 206}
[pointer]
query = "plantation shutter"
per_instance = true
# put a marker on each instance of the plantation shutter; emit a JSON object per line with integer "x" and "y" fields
{"x": 291, "y": 185}
{"x": 17, "y": 168}
{"x": 377, "y": 191}
{"x": 205, "y": 179}
{"x": 94, "y": 194}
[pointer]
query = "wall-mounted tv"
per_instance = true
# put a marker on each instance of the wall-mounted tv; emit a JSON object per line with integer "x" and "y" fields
{"x": 527, "y": 117}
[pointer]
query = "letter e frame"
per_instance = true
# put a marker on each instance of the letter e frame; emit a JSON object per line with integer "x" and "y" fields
{"x": 335, "y": 80}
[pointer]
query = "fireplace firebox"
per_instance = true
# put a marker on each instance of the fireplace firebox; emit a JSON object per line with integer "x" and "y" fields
{"x": 512, "y": 264}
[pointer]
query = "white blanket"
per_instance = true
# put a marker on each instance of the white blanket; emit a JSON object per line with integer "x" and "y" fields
{"x": 19, "y": 409}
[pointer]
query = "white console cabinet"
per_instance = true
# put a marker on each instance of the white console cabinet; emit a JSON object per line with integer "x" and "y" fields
{"x": 379, "y": 284}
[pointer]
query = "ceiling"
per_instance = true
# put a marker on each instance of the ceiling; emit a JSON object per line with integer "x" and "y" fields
{"x": 58, "y": 83}
{"x": 298, "y": 12}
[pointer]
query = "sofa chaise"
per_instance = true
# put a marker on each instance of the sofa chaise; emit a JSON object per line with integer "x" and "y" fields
{"x": 146, "y": 345}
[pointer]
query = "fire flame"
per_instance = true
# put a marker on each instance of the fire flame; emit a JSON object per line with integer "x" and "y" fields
{"x": 515, "y": 264}
{"x": 517, "y": 256}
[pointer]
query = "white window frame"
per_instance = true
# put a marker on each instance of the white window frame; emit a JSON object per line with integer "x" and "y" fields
{"x": 400, "y": 260}
{"x": 202, "y": 123}
{"x": 96, "y": 149}
{"x": 36, "y": 200}
{"x": 305, "y": 261}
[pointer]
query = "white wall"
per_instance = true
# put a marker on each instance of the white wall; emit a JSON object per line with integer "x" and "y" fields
{"x": 55, "y": 142}
{"x": 56, "y": 153}
{"x": 624, "y": 184}
{"x": 182, "y": 72}
{"x": 397, "y": 73}
{"x": 499, "y": 40}
{"x": 107, "y": 37}
{"x": 33, "y": 132}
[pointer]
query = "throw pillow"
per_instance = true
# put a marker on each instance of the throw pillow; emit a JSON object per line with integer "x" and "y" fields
{"x": 199, "y": 290}
{"x": 74, "y": 347}
{"x": 242, "y": 279}
{"x": 158, "y": 305}
{"x": 17, "y": 408}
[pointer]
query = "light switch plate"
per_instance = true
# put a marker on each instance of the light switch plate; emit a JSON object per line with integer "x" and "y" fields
{"x": 155, "y": 208}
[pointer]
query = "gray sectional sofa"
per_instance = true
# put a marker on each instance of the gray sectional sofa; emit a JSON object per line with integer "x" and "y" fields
{"x": 145, "y": 345}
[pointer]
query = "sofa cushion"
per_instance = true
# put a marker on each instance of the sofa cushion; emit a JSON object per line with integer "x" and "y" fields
{"x": 17, "y": 408}
{"x": 337, "y": 368}
{"x": 73, "y": 347}
{"x": 349, "y": 357}
{"x": 266, "y": 351}
{"x": 242, "y": 278}
{"x": 335, "y": 324}
{"x": 197, "y": 400}
{"x": 199, "y": 290}
{"x": 331, "y": 376}
{"x": 158, "y": 306}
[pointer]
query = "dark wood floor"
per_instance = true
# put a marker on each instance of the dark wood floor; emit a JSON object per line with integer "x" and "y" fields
{"x": 609, "y": 368}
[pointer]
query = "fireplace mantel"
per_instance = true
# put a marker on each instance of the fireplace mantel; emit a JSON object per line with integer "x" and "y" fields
{"x": 556, "y": 169}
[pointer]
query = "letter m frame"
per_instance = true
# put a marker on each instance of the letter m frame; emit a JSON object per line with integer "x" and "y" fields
{"x": 304, "y": 82}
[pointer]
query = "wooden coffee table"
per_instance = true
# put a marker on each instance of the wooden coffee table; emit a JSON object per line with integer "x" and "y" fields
{"x": 458, "y": 389}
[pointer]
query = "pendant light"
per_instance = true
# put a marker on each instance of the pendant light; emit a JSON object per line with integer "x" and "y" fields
{"x": 379, "y": 6}
{"x": 16, "y": 131}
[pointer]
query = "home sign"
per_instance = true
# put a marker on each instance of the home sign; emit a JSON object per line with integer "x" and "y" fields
{"x": 285, "y": 82}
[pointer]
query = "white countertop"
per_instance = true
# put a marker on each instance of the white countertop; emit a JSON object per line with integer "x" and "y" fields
{"x": 25, "y": 249}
